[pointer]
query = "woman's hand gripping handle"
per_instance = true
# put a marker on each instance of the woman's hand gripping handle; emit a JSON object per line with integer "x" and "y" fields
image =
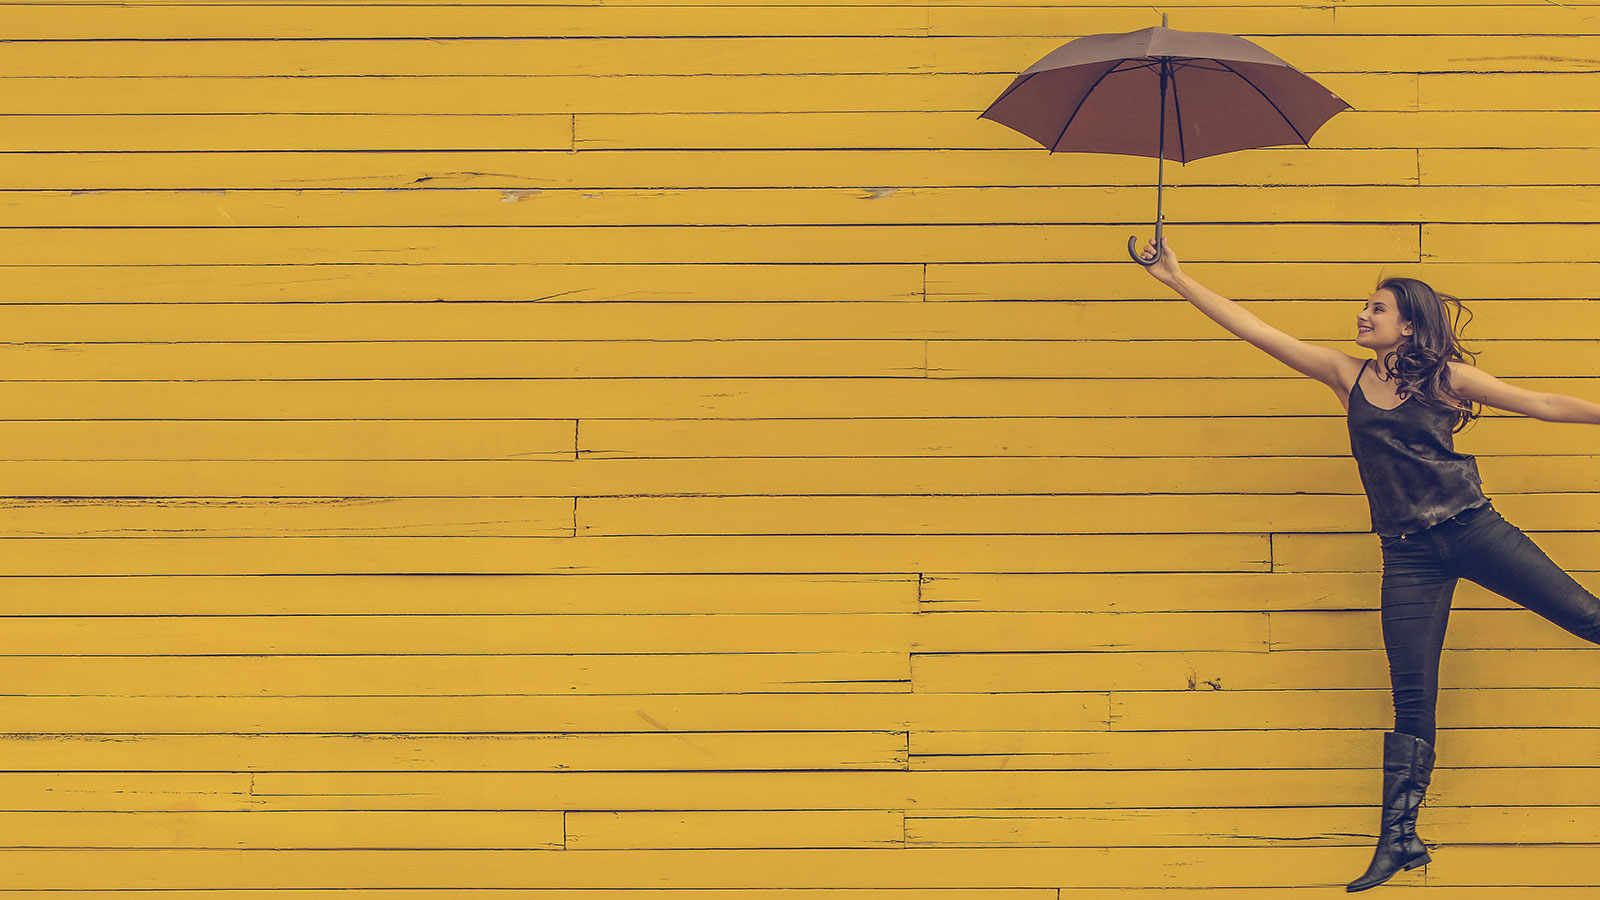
{"x": 1165, "y": 269}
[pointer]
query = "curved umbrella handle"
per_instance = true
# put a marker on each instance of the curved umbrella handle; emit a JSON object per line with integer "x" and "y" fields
{"x": 1133, "y": 241}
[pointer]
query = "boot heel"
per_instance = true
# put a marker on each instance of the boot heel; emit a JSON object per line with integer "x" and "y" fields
{"x": 1419, "y": 861}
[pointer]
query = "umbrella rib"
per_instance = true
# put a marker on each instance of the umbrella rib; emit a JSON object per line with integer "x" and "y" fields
{"x": 1018, "y": 83}
{"x": 1195, "y": 64}
{"x": 1079, "y": 107}
{"x": 1269, "y": 100}
{"x": 1177, "y": 110}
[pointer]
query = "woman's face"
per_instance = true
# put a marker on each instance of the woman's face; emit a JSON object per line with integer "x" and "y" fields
{"x": 1378, "y": 325}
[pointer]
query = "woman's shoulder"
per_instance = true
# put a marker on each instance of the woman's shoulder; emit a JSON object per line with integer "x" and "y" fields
{"x": 1349, "y": 370}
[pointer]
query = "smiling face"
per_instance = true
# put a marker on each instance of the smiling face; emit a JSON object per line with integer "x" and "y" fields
{"x": 1378, "y": 325}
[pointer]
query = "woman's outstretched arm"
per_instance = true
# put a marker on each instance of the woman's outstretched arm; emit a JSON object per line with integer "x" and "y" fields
{"x": 1475, "y": 384}
{"x": 1325, "y": 364}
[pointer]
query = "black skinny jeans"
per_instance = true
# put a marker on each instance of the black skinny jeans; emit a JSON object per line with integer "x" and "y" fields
{"x": 1419, "y": 577}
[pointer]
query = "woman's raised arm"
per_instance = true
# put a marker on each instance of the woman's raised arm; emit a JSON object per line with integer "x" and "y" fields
{"x": 1325, "y": 364}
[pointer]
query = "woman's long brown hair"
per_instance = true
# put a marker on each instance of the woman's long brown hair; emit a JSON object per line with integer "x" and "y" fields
{"x": 1419, "y": 366}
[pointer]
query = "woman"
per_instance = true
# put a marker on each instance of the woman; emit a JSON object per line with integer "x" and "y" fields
{"x": 1433, "y": 521}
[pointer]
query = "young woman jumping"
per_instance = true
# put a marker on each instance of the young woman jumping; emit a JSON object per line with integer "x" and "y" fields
{"x": 1432, "y": 519}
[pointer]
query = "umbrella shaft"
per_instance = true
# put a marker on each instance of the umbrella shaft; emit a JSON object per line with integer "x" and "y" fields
{"x": 1161, "y": 151}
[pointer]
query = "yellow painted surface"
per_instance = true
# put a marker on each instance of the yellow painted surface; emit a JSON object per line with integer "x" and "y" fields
{"x": 1339, "y": 826}
{"x": 868, "y": 671}
{"x": 729, "y": 206}
{"x": 485, "y": 449}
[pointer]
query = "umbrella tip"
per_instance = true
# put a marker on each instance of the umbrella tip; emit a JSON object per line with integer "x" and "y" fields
{"x": 1163, "y": 20}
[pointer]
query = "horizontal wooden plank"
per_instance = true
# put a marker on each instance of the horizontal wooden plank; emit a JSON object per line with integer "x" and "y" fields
{"x": 1061, "y": 514}
{"x": 1221, "y": 358}
{"x": 1463, "y": 892}
{"x": 1546, "y": 242}
{"x": 375, "y": 112}
{"x": 868, "y": 671}
{"x": 1509, "y": 628}
{"x": 1193, "y": 592}
{"x": 996, "y": 475}
{"x": 1379, "y": 19}
{"x": 1301, "y": 827}
{"x": 145, "y": 792}
{"x": 1032, "y": 284}
{"x": 1386, "y": 114}
{"x": 594, "y": 168}
{"x": 1255, "y": 867}
{"x": 625, "y": 713}
{"x": 709, "y": 398}
{"x": 1507, "y": 167}
{"x": 456, "y": 830}
{"x": 1072, "y": 828}
{"x": 450, "y": 20}
{"x": 703, "y": 594}
{"x": 872, "y": 554}
{"x": 1459, "y": 708}
{"x": 955, "y": 130}
{"x": 1355, "y": 553}
{"x": 504, "y": 439}
{"x": 1082, "y": 320}
{"x": 109, "y": 517}
{"x": 659, "y": 633}
{"x": 284, "y": 830}
{"x": 1279, "y": 669}
{"x": 1220, "y": 436}
{"x": 714, "y": 475}
{"x": 523, "y": 517}
{"x": 923, "y": 791}
{"x": 457, "y": 20}
{"x": 670, "y": 752}
{"x": 1464, "y": 751}
{"x": 505, "y": 285}
{"x": 461, "y": 594}
{"x": 144, "y": 21}
{"x": 303, "y": 123}
{"x": 943, "y": 867}
{"x": 1003, "y": 54}
{"x": 992, "y": 671}
{"x": 112, "y": 131}
{"x": 474, "y": 359}
{"x": 1455, "y": 18}
{"x": 1503, "y": 90}
{"x": 638, "y": 830}
{"x": 936, "y": 205}
{"x": 710, "y": 245}
{"x": 496, "y": 634}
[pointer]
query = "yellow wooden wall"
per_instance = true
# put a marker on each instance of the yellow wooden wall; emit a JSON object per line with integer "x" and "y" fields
{"x": 632, "y": 448}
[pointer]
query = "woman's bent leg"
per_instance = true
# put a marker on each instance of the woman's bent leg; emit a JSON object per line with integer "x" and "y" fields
{"x": 1497, "y": 555}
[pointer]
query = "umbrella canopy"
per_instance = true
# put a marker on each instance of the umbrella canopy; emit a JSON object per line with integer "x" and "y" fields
{"x": 1108, "y": 93}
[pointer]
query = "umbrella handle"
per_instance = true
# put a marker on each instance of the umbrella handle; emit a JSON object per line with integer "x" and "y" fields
{"x": 1133, "y": 241}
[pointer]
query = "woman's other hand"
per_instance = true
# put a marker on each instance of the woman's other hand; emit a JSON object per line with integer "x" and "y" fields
{"x": 1166, "y": 271}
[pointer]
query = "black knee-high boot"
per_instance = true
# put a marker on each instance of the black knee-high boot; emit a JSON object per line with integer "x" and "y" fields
{"x": 1407, "y": 768}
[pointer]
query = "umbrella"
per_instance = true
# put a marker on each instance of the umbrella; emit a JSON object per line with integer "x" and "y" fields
{"x": 1101, "y": 94}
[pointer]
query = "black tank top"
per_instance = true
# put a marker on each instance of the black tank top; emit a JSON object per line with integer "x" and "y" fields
{"x": 1413, "y": 475}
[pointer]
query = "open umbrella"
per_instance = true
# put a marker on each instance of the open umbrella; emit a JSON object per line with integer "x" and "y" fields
{"x": 1107, "y": 93}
